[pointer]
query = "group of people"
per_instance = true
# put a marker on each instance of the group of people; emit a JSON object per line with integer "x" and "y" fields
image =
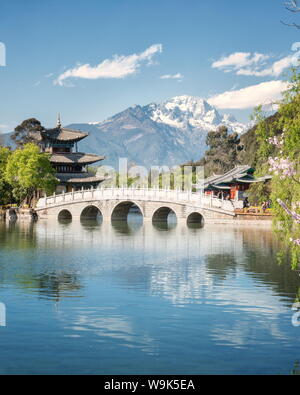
{"x": 265, "y": 204}
{"x": 223, "y": 196}
{"x": 246, "y": 204}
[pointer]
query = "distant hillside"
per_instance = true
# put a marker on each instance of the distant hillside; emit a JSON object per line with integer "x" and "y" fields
{"x": 248, "y": 156}
{"x": 6, "y": 140}
{"x": 168, "y": 133}
{"x": 157, "y": 134}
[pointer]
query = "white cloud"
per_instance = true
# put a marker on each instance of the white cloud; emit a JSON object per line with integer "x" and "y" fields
{"x": 273, "y": 71}
{"x": 248, "y": 64}
{"x": 239, "y": 60}
{"x": 251, "y": 96}
{"x": 177, "y": 76}
{"x": 120, "y": 66}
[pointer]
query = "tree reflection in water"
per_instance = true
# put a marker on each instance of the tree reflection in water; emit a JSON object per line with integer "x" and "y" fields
{"x": 224, "y": 250}
{"x": 224, "y": 281}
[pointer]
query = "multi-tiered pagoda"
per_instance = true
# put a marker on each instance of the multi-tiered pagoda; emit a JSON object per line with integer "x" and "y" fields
{"x": 70, "y": 165}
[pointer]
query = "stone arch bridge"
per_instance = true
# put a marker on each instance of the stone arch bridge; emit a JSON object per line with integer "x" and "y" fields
{"x": 153, "y": 204}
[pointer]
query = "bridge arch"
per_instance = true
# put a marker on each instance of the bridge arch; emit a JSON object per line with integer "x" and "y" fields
{"x": 115, "y": 203}
{"x": 162, "y": 214}
{"x": 195, "y": 218}
{"x": 64, "y": 214}
{"x": 121, "y": 210}
{"x": 91, "y": 212}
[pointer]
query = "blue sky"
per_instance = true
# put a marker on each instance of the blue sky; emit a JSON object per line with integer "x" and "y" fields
{"x": 210, "y": 48}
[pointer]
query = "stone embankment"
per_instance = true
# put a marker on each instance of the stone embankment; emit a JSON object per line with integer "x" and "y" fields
{"x": 15, "y": 213}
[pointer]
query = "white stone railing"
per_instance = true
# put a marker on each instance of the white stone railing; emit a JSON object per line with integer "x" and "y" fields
{"x": 197, "y": 199}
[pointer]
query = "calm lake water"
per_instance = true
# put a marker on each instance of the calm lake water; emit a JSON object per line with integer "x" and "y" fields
{"x": 144, "y": 299}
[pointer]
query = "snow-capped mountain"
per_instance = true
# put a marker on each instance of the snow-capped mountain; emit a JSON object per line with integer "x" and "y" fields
{"x": 184, "y": 112}
{"x": 169, "y": 133}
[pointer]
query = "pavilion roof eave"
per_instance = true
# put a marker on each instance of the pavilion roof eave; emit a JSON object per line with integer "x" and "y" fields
{"x": 79, "y": 178}
{"x": 217, "y": 187}
{"x": 82, "y": 180}
{"x": 64, "y": 135}
{"x": 75, "y": 158}
{"x": 230, "y": 176}
{"x": 222, "y": 187}
{"x": 73, "y": 140}
{"x": 255, "y": 180}
{"x": 246, "y": 181}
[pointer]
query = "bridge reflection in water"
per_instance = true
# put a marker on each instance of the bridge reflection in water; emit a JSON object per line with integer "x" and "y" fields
{"x": 139, "y": 293}
{"x": 224, "y": 249}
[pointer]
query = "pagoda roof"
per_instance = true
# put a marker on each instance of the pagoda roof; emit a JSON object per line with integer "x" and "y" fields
{"x": 64, "y": 134}
{"x": 75, "y": 158}
{"x": 241, "y": 174}
{"x": 78, "y": 178}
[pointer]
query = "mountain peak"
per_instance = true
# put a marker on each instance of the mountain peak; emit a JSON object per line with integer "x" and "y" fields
{"x": 185, "y": 112}
{"x": 189, "y": 103}
{"x": 168, "y": 133}
{"x": 229, "y": 118}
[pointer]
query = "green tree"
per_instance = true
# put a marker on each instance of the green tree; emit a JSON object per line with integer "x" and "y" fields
{"x": 28, "y": 171}
{"x": 29, "y": 131}
{"x": 222, "y": 154}
{"x": 279, "y": 153}
{"x": 259, "y": 192}
{"x": 6, "y": 195}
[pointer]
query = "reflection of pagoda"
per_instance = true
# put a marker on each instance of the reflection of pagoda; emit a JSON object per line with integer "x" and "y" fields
{"x": 70, "y": 165}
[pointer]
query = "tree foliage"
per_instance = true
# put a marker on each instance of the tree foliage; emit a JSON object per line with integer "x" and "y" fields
{"x": 27, "y": 132}
{"x": 222, "y": 154}
{"x": 6, "y": 195}
{"x": 27, "y": 171}
{"x": 259, "y": 192}
{"x": 279, "y": 153}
